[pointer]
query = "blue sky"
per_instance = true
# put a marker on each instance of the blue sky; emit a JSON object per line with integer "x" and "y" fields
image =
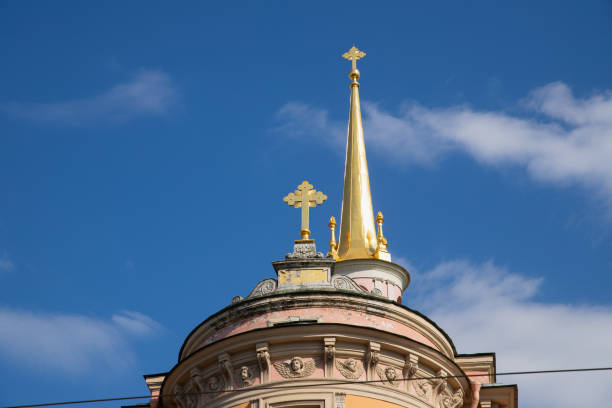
{"x": 145, "y": 148}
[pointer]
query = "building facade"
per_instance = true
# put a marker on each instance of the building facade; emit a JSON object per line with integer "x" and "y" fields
{"x": 329, "y": 330}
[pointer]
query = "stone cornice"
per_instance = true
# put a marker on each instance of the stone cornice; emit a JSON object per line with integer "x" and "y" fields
{"x": 302, "y": 300}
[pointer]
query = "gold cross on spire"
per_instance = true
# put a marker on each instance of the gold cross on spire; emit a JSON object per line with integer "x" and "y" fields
{"x": 305, "y": 197}
{"x": 353, "y": 55}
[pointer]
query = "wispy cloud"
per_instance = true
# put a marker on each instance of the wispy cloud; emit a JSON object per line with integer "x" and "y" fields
{"x": 484, "y": 307}
{"x": 149, "y": 92}
{"x": 71, "y": 343}
{"x": 6, "y": 264}
{"x": 560, "y": 139}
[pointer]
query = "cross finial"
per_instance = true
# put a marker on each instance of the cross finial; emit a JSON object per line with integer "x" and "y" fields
{"x": 305, "y": 197}
{"x": 353, "y": 55}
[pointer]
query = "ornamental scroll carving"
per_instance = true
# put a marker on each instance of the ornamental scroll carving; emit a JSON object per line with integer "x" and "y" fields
{"x": 263, "y": 358}
{"x": 297, "y": 367}
{"x": 444, "y": 395}
{"x": 192, "y": 393}
{"x": 264, "y": 287}
{"x": 411, "y": 367}
{"x": 448, "y": 400}
{"x": 329, "y": 344}
{"x": 350, "y": 368}
{"x": 186, "y": 396}
{"x": 227, "y": 371}
{"x": 345, "y": 283}
{"x": 424, "y": 389}
{"x": 372, "y": 357}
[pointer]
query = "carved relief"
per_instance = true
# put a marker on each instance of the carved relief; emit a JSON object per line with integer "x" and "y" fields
{"x": 376, "y": 292}
{"x": 263, "y": 358}
{"x": 350, "y": 368}
{"x": 346, "y": 283}
{"x": 304, "y": 250}
{"x": 264, "y": 287}
{"x": 297, "y": 367}
{"x": 388, "y": 376}
{"x": 372, "y": 358}
{"x": 329, "y": 355}
{"x": 186, "y": 396}
{"x": 227, "y": 371}
{"x": 424, "y": 389}
{"x": 411, "y": 366}
{"x": 454, "y": 400}
{"x": 196, "y": 377}
{"x": 213, "y": 383}
{"x": 246, "y": 376}
{"x": 445, "y": 397}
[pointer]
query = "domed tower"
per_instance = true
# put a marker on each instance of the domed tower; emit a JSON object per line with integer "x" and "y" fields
{"x": 329, "y": 331}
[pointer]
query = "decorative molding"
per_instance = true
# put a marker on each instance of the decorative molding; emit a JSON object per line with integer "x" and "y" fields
{"x": 345, "y": 283}
{"x": 198, "y": 380}
{"x": 329, "y": 344}
{"x": 424, "y": 389}
{"x": 411, "y": 366}
{"x": 350, "y": 368}
{"x": 186, "y": 396}
{"x": 297, "y": 367}
{"x": 372, "y": 357}
{"x": 340, "y": 398}
{"x": 304, "y": 249}
{"x": 227, "y": 371}
{"x": 444, "y": 395}
{"x": 263, "y": 358}
{"x": 351, "y": 354}
{"x": 264, "y": 287}
{"x": 377, "y": 292}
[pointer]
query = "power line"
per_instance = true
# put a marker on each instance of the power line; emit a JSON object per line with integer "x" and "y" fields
{"x": 327, "y": 382}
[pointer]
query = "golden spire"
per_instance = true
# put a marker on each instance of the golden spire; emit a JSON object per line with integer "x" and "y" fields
{"x": 357, "y": 236}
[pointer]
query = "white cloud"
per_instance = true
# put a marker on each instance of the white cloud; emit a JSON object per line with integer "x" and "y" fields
{"x": 70, "y": 343}
{"x": 6, "y": 265}
{"x": 135, "y": 323}
{"x": 148, "y": 93}
{"x": 486, "y": 308}
{"x": 560, "y": 139}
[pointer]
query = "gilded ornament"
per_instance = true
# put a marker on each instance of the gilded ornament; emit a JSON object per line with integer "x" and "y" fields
{"x": 305, "y": 197}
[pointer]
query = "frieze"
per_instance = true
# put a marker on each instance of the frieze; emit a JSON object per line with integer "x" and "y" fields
{"x": 297, "y": 367}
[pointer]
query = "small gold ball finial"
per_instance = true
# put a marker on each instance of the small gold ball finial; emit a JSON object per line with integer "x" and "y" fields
{"x": 333, "y": 244}
{"x": 332, "y": 222}
{"x": 381, "y": 249}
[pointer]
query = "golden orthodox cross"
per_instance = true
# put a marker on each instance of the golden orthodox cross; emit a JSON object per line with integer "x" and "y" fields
{"x": 353, "y": 55}
{"x": 305, "y": 197}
